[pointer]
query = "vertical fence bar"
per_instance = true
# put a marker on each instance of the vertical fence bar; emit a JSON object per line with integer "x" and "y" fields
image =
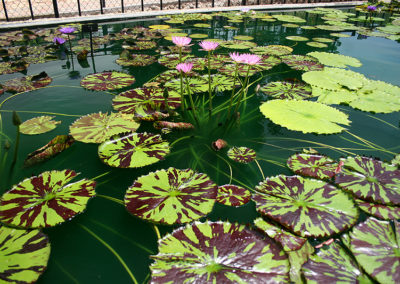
{"x": 101, "y": 7}
{"x": 122, "y": 6}
{"x": 55, "y": 7}
{"x": 142, "y": 5}
{"x": 229, "y": 3}
{"x": 30, "y": 8}
{"x": 160, "y": 4}
{"x": 5, "y": 10}
{"x": 79, "y": 8}
{"x": 197, "y": 3}
{"x": 213, "y": 3}
{"x": 179, "y": 4}
{"x": 258, "y": 2}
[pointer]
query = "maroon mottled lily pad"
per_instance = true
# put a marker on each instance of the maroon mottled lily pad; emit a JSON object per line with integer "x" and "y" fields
{"x": 307, "y": 207}
{"x": 109, "y": 80}
{"x": 141, "y": 45}
{"x": 9, "y": 67}
{"x": 45, "y": 200}
{"x": 371, "y": 180}
{"x": 38, "y": 125}
{"x": 312, "y": 165}
{"x": 133, "y": 150}
{"x": 378, "y": 210}
{"x": 302, "y": 62}
{"x": 376, "y": 246}
{"x": 218, "y": 252}
{"x": 287, "y": 90}
{"x": 288, "y": 241}
{"x": 28, "y": 83}
{"x": 48, "y": 151}
{"x": 233, "y": 195}
{"x": 136, "y": 60}
{"x": 171, "y": 196}
{"x": 276, "y": 50}
{"x": 171, "y": 60}
{"x": 242, "y": 154}
{"x": 242, "y": 70}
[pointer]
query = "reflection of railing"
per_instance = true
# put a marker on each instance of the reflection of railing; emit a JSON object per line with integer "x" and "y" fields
{"x": 33, "y": 9}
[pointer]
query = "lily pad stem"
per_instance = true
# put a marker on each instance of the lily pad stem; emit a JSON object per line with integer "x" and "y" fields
{"x": 244, "y": 90}
{"x": 180, "y": 139}
{"x": 101, "y": 175}
{"x": 157, "y": 231}
{"x": 191, "y": 101}
{"x": 259, "y": 167}
{"x": 209, "y": 85}
{"x": 111, "y": 198}
{"x": 233, "y": 89}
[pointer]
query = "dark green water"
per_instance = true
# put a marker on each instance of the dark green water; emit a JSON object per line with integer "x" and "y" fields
{"x": 76, "y": 256}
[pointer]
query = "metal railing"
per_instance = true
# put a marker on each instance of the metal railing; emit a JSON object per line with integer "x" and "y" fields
{"x": 11, "y": 10}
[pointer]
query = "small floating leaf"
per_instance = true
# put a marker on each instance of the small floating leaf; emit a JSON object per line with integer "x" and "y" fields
{"x": 335, "y": 60}
{"x": 218, "y": 252}
{"x": 287, "y": 90}
{"x": 276, "y": 50}
{"x": 24, "y": 255}
{"x": 108, "y": 80}
{"x": 297, "y": 38}
{"x": 45, "y": 200}
{"x": 317, "y": 44}
{"x": 171, "y": 196}
{"x": 238, "y": 44}
{"x": 28, "y": 83}
{"x": 38, "y": 125}
{"x": 307, "y": 207}
{"x": 302, "y": 62}
{"x": 242, "y": 154}
{"x": 233, "y": 195}
{"x": 134, "y": 150}
{"x": 136, "y": 60}
{"x": 316, "y": 166}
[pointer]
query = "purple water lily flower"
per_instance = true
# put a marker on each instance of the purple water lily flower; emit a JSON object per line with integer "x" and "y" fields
{"x": 59, "y": 40}
{"x": 67, "y": 30}
{"x": 209, "y": 45}
{"x": 184, "y": 67}
{"x": 181, "y": 41}
{"x": 371, "y": 8}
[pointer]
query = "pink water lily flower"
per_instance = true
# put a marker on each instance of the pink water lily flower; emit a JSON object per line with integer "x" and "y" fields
{"x": 209, "y": 45}
{"x": 236, "y": 57}
{"x": 67, "y": 30}
{"x": 59, "y": 40}
{"x": 184, "y": 67}
{"x": 250, "y": 59}
{"x": 181, "y": 41}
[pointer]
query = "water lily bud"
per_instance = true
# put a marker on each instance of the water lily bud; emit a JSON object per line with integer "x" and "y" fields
{"x": 219, "y": 144}
{"x": 16, "y": 119}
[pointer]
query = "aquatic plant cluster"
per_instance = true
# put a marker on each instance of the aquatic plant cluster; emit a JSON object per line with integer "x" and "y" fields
{"x": 183, "y": 133}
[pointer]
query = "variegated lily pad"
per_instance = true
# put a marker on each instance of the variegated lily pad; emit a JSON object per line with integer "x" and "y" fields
{"x": 333, "y": 265}
{"x": 133, "y": 150}
{"x": 241, "y": 154}
{"x": 288, "y": 241}
{"x": 380, "y": 211}
{"x": 233, "y": 195}
{"x": 276, "y": 50}
{"x": 196, "y": 84}
{"x": 141, "y": 45}
{"x": 108, "y": 80}
{"x": 38, "y": 125}
{"x": 287, "y": 90}
{"x": 136, "y": 60}
{"x": 28, "y": 83}
{"x": 23, "y": 254}
{"x": 218, "y": 252}
{"x": 311, "y": 165}
{"x": 171, "y": 60}
{"x": 302, "y": 62}
{"x": 45, "y": 200}
{"x": 98, "y": 127}
{"x": 171, "y": 196}
{"x": 307, "y": 207}
{"x": 376, "y": 246}
{"x": 238, "y": 44}
{"x": 242, "y": 70}
{"x": 370, "y": 180}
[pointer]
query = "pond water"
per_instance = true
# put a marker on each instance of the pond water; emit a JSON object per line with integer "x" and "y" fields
{"x": 77, "y": 253}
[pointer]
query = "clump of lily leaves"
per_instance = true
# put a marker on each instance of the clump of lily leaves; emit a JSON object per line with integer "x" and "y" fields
{"x": 330, "y": 221}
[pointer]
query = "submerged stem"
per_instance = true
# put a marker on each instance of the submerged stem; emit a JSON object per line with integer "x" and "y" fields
{"x": 259, "y": 167}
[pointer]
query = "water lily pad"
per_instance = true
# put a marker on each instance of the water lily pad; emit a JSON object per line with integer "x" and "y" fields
{"x": 289, "y": 18}
{"x": 302, "y": 62}
{"x": 375, "y": 245}
{"x": 38, "y": 125}
{"x": 308, "y": 27}
{"x": 98, "y": 127}
{"x": 340, "y": 35}
{"x": 323, "y": 39}
{"x": 218, "y": 252}
{"x": 308, "y": 207}
{"x": 242, "y": 154}
{"x": 233, "y": 195}
{"x": 333, "y": 265}
{"x": 243, "y": 70}
{"x": 297, "y": 38}
{"x": 109, "y": 80}
{"x": 243, "y": 37}
{"x": 238, "y": 44}
{"x": 288, "y": 241}
{"x": 48, "y": 151}
{"x": 171, "y": 196}
{"x": 196, "y": 84}
{"x": 297, "y": 258}
{"x": 196, "y": 36}
{"x": 28, "y": 83}
{"x": 171, "y": 60}
{"x": 305, "y": 116}
{"x": 134, "y": 150}
{"x": 45, "y": 200}
{"x": 378, "y": 210}
{"x": 136, "y": 60}
{"x": 290, "y": 25}
{"x": 335, "y": 60}
{"x": 276, "y": 50}
{"x": 24, "y": 255}
{"x": 287, "y": 90}
{"x": 141, "y": 45}
{"x": 370, "y": 180}
{"x": 201, "y": 25}
{"x": 160, "y": 27}
{"x": 316, "y": 44}
{"x": 311, "y": 165}
{"x": 9, "y": 67}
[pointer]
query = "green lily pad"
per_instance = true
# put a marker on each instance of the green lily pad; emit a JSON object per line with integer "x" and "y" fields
{"x": 201, "y": 25}
{"x": 340, "y": 35}
{"x": 38, "y": 125}
{"x": 289, "y": 18}
{"x": 48, "y": 151}
{"x": 316, "y": 44}
{"x": 287, "y": 90}
{"x": 377, "y": 101}
{"x": 330, "y": 28}
{"x": 28, "y": 83}
{"x": 160, "y": 27}
{"x": 323, "y": 39}
{"x": 171, "y": 196}
{"x": 305, "y": 116}
{"x": 287, "y": 240}
{"x": 308, "y": 27}
{"x": 243, "y": 37}
{"x": 218, "y": 252}
{"x": 98, "y": 127}
{"x": 141, "y": 45}
{"x": 133, "y": 150}
{"x": 233, "y": 195}
{"x": 297, "y": 258}
{"x": 290, "y": 25}
{"x": 242, "y": 154}
{"x": 311, "y": 165}
{"x": 24, "y": 255}
{"x": 242, "y": 70}
{"x": 378, "y": 210}
{"x": 276, "y": 50}
{"x": 307, "y": 207}
{"x": 196, "y": 84}
{"x": 335, "y": 60}
{"x": 108, "y": 80}
{"x": 171, "y": 60}
{"x": 370, "y": 180}
{"x": 297, "y": 38}
{"x": 45, "y": 200}
{"x": 238, "y": 44}
{"x": 333, "y": 265}
{"x": 136, "y": 60}
{"x": 197, "y": 36}
{"x": 375, "y": 245}
{"x": 302, "y": 62}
